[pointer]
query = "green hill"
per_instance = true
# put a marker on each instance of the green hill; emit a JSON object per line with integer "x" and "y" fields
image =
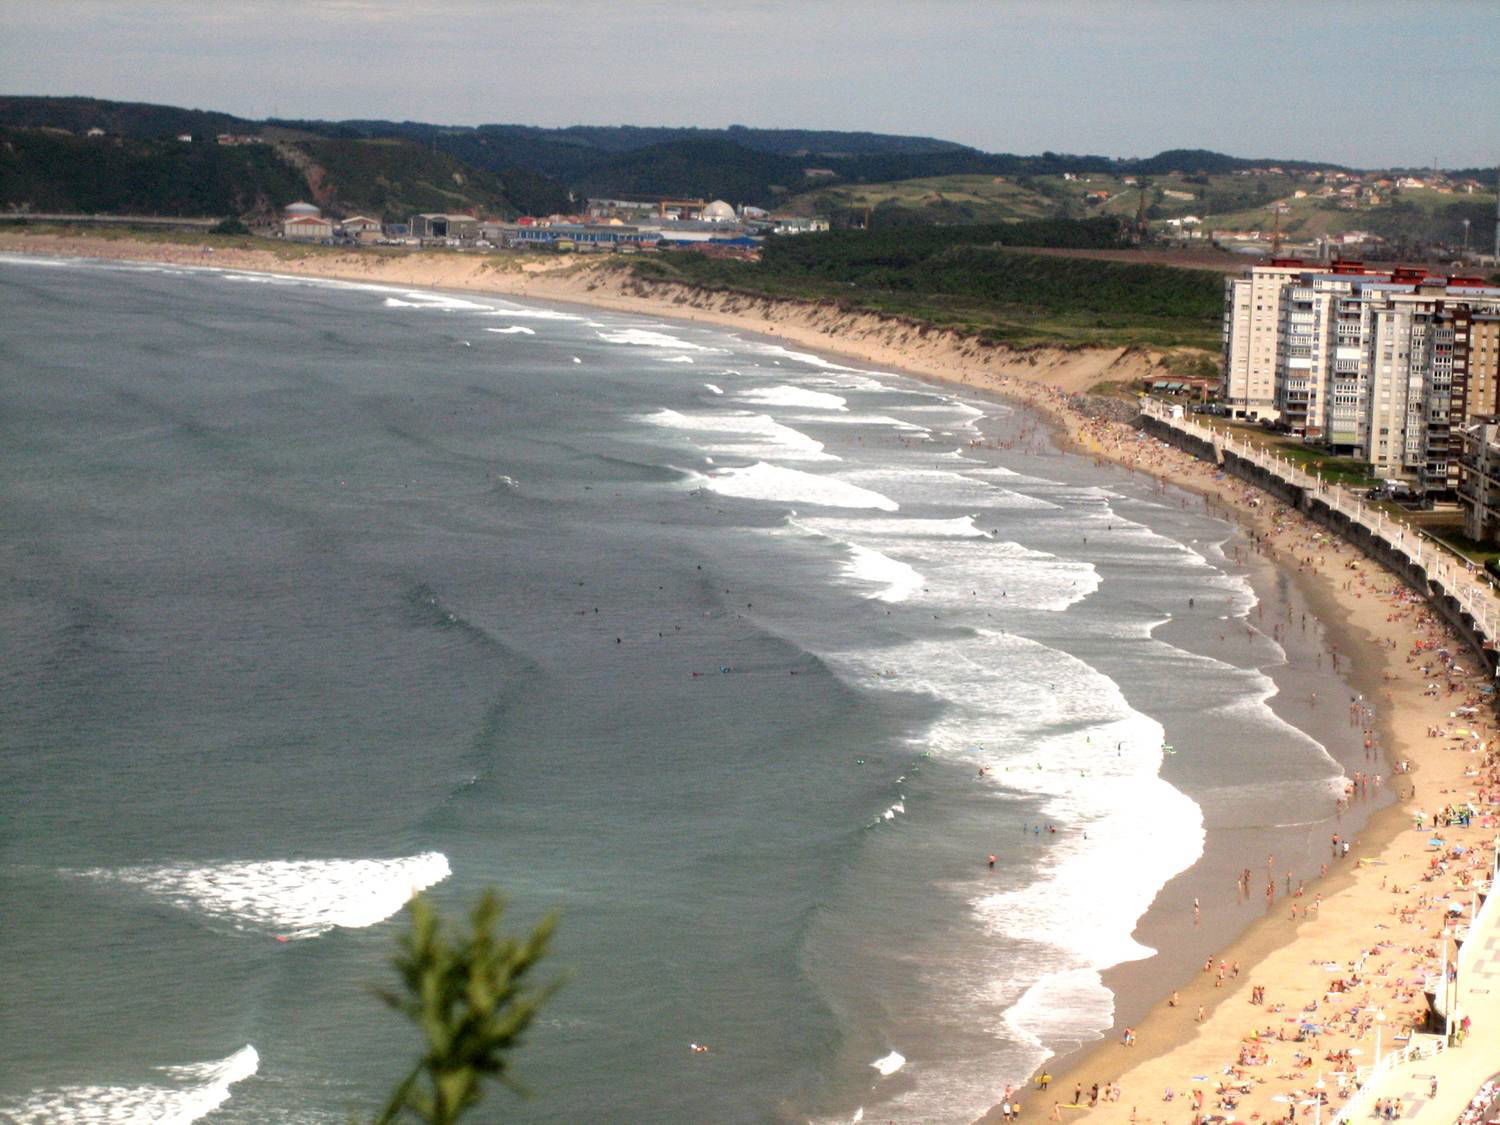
{"x": 46, "y": 171}
{"x": 701, "y": 169}
{"x": 393, "y": 179}
{"x": 138, "y": 120}
{"x": 42, "y": 169}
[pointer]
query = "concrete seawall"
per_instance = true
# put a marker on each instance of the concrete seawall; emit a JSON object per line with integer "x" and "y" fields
{"x": 1463, "y": 599}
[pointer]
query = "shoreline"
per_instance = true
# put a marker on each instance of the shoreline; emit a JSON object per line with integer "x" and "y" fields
{"x": 1170, "y": 1041}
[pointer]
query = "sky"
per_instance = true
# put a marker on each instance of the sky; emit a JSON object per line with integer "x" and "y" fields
{"x": 1367, "y": 83}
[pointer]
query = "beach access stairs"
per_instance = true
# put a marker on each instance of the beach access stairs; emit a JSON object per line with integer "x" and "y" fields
{"x": 1455, "y": 587}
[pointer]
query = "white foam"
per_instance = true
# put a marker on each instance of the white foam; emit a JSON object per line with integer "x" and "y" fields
{"x": 811, "y": 360}
{"x": 523, "y": 312}
{"x": 513, "y": 330}
{"x": 1065, "y": 1007}
{"x": 678, "y": 359}
{"x": 794, "y": 396}
{"x": 941, "y": 561}
{"x": 420, "y": 299}
{"x": 289, "y": 898}
{"x": 1048, "y": 725}
{"x": 714, "y": 389}
{"x": 897, "y": 580}
{"x": 745, "y": 434}
{"x": 761, "y": 481}
{"x": 646, "y": 338}
{"x": 944, "y": 486}
{"x": 889, "y": 1064}
{"x": 968, "y": 415}
{"x": 189, "y": 1093}
{"x": 959, "y": 527}
{"x": 30, "y": 260}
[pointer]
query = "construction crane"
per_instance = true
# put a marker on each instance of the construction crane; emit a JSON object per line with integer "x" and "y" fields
{"x": 1140, "y": 213}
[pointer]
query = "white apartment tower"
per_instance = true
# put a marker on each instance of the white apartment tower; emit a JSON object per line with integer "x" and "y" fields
{"x": 1362, "y": 359}
{"x": 1252, "y": 327}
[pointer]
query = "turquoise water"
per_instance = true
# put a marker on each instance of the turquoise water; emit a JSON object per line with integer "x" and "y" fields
{"x": 742, "y": 659}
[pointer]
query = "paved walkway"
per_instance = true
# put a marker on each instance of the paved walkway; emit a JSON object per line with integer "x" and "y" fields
{"x": 1459, "y": 1071}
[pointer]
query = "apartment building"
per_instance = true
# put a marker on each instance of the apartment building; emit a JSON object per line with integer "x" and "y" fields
{"x": 1376, "y": 364}
{"x": 1252, "y": 325}
{"x": 1468, "y": 343}
{"x": 1479, "y": 479}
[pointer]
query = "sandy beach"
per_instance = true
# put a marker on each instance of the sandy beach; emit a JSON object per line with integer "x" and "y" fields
{"x": 1333, "y": 965}
{"x": 1299, "y": 996}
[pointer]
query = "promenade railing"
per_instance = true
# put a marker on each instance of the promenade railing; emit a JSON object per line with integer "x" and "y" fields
{"x": 1361, "y": 1106}
{"x": 1450, "y": 574}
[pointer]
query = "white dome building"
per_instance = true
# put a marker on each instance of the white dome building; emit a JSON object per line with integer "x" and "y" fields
{"x": 719, "y": 212}
{"x": 302, "y": 209}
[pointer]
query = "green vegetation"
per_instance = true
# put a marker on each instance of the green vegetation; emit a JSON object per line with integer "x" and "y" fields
{"x": 471, "y": 998}
{"x": 696, "y": 169}
{"x": 1336, "y": 470}
{"x": 1410, "y": 220}
{"x": 1309, "y": 458}
{"x": 48, "y": 171}
{"x": 970, "y": 279}
{"x": 1447, "y": 529}
{"x": 394, "y": 179}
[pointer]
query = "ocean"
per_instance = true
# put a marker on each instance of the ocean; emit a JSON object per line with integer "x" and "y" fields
{"x": 743, "y": 659}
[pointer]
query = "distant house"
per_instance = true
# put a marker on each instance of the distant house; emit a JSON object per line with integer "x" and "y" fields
{"x": 1173, "y": 193}
{"x": 432, "y": 226}
{"x": 361, "y": 228}
{"x": 306, "y": 228}
{"x": 95, "y": 132}
{"x": 185, "y": 138}
{"x": 797, "y": 224}
{"x": 235, "y": 139}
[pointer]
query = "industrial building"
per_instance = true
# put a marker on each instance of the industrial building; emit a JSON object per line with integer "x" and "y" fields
{"x": 437, "y": 227}
{"x": 574, "y": 236}
{"x": 306, "y": 228}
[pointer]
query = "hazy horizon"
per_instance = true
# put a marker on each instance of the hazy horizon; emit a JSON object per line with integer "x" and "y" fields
{"x": 1108, "y": 78}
